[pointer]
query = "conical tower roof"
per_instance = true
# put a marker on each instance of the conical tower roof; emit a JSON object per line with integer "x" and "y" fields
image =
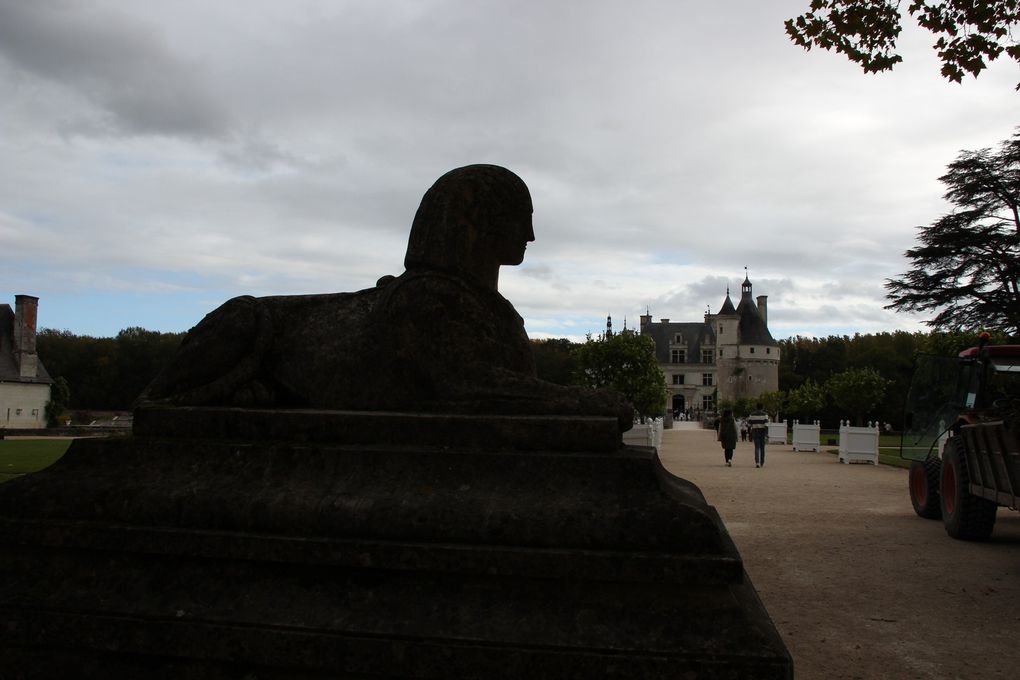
{"x": 727, "y": 305}
{"x": 751, "y": 329}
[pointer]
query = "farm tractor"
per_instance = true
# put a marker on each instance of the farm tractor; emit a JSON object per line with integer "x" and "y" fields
{"x": 961, "y": 428}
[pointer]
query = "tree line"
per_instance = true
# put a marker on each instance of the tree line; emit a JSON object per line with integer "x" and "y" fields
{"x": 827, "y": 379}
{"x": 105, "y": 374}
{"x": 110, "y": 373}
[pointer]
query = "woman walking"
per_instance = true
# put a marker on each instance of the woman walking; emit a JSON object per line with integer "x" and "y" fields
{"x": 728, "y": 435}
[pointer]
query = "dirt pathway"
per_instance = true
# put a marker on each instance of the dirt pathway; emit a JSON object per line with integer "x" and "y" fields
{"x": 857, "y": 584}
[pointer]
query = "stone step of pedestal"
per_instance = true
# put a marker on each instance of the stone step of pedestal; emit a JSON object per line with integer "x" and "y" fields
{"x": 278, "y": 620}
{"x": 615, "y": 501}
{"x": 518, "y": 432}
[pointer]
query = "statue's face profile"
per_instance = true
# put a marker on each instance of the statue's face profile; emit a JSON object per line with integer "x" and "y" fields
{"x": 510, "y": 235}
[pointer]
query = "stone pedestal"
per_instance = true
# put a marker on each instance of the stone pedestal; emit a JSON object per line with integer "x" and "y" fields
{"x": 227, "y": 543}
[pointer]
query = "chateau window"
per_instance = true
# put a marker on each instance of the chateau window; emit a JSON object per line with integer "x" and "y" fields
{"x": 752, "y": 350}
{"x": 678, "y": 339}
{"x": 17, "y": 412}
{"x": 706, "y": 379}
{"x": 677, "y": 356}
{"x": 706, "y": 356}
{"x": 720, "y": 329}
{"x": 35, "y": 412}
{"x": 768, "y": 350}
{"x": 706, "y": 402}
{"x": 678, "y": 379}
{"x": 720, "y": 352}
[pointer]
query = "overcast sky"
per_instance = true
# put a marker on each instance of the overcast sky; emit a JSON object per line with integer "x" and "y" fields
{"x": 158, "y": 158}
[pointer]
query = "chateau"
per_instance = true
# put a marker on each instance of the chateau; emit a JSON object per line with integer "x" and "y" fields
{"x": 24, "y": 382}
{"x": 730, "y": 355}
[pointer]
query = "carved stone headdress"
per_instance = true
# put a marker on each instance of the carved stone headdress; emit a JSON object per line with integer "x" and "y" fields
{"x": 462, "y": 203}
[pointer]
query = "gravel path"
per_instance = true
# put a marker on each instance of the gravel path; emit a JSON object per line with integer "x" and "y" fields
{"x": 856, "y": 583}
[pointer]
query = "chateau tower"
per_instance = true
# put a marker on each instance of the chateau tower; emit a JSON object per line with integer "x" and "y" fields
{"x": 729, "y": 355}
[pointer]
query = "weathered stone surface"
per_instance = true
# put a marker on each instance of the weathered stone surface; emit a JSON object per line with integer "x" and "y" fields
{"x": 218, "y": 558}
{"x": 520, "y": 432}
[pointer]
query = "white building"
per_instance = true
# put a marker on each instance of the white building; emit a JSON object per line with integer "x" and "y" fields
{"x": 24, "y": 382}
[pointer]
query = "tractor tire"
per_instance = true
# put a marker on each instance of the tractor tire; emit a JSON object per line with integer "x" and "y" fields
{"x": 966, "y": 516}
{"x": 924, "y": 487}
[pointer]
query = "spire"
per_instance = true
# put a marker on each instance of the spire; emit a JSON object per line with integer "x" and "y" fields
{"x": 751, "y": 329}
{"x": 609, "y": 325}
{"x": 727, "y": 305}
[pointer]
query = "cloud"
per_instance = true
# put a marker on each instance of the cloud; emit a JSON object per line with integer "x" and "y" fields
{"x": 120, "y": 65}
{"x": 210, "y": 149}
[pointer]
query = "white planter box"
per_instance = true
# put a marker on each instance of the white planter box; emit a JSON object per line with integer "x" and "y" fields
{"x": 777, "y": 433}
{"x": 648, "y": 434}
{"x": 858, "y": 444}
{"x": 806, "y": 436}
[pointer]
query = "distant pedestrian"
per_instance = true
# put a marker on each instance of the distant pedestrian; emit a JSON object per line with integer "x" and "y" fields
{"x": 759, "y": 422}
{"x": 728, "y": 435}
{"x": 742, "y": 425}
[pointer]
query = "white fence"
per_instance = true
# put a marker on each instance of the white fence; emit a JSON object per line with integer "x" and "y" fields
{"x": 777, "y": 433}
{"x": 647, "y": 434}
{"x": 806, "y": 436}
{"x": 858, "y": 444}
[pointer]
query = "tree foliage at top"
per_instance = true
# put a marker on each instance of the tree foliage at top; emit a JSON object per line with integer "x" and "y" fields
{"x": 966, "y": 269}
{"x": 555, "y": 360}
{"x": 105, "y": 373}
{"x": 624, "y": 362}
{"x": 970, "y": 33}
{"x": 806, "y": 401}
{"x": 858, "y": 391}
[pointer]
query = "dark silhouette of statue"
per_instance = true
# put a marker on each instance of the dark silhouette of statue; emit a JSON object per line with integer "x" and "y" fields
{"x": 437, "y": 338}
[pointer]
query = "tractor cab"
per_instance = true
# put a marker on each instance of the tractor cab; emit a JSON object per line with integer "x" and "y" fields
{"x": 982, "y": 383}
{"x": 960, "y": 430}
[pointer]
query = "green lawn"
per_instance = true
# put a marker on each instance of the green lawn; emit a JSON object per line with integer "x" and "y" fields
{"x": 18, "y": 456}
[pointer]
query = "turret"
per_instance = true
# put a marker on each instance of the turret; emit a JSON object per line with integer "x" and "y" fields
{"x": 646, "y": 319}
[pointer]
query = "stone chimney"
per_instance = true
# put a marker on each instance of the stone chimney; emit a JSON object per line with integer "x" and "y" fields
{"x": 762, "y": 301}
{"x": 26, "y": 310}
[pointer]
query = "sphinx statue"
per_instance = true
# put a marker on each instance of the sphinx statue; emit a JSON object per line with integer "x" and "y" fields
{"x": 437, "y": 338}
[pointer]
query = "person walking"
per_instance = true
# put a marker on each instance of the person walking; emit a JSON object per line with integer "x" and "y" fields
{"x": 728, "y": 435}
{"x": 759, "y": 422}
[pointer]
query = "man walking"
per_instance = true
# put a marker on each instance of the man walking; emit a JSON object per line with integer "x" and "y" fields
{"x": 759, "y": 421}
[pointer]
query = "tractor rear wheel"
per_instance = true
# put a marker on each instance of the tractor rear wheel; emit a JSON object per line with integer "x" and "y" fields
{"x": 966, "y": 516}
{"x": 924, "y": 487}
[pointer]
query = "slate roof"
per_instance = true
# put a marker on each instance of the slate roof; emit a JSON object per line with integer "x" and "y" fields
{"x": 696, "y": 334}
{"x": 751, "y": 329}
{"x": 727, "y": 305}
{"x": 8, "y": 364}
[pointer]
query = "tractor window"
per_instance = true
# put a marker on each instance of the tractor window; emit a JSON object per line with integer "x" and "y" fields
{"x": 933, "y": 403}
{"x": 1003, "y": 392}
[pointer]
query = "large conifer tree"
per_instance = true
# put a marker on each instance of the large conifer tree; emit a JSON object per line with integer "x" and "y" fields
{"x": 966, "y": 268}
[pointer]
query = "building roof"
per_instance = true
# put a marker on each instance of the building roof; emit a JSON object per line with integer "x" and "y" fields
{"x": 694, "y": 334}
{"x": 727, "y": 305}
{"x": 751, "y": 329}
{"x": 8, "y": 363}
